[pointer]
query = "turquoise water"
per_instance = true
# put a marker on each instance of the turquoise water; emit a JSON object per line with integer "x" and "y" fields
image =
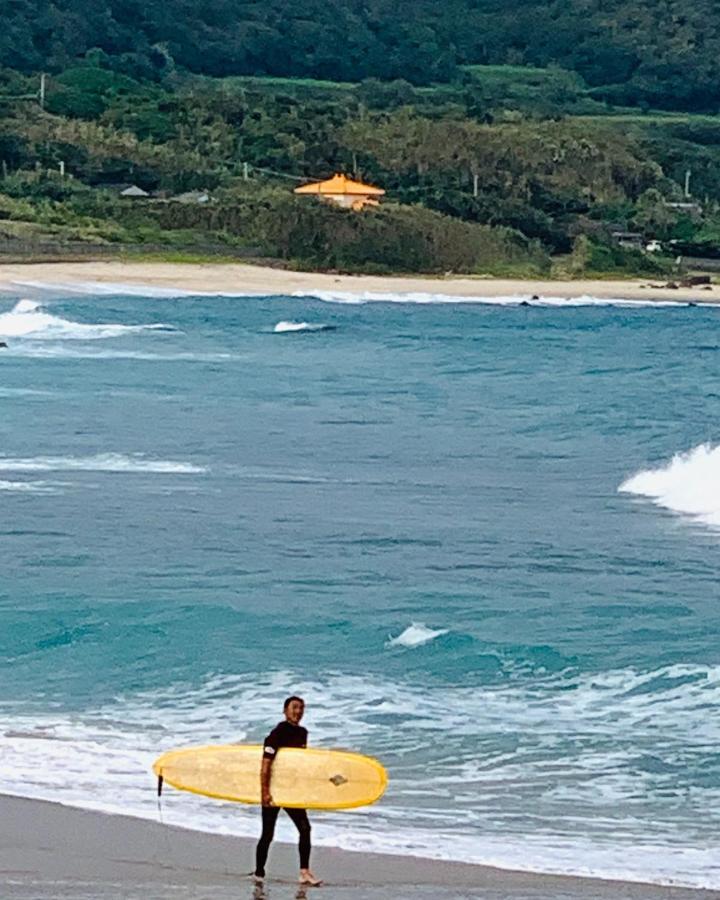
{"x": 411, "y": 516}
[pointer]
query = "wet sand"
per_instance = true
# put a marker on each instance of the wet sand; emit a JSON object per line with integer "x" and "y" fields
{"x": 53, "y": 851}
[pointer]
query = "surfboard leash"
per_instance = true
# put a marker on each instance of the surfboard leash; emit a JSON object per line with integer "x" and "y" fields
{"x": 159, "y": 798}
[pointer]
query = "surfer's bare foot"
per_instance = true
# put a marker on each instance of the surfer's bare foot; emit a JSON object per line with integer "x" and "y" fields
{"x": 258, "y": 879}
{"x": 307, "y": 878}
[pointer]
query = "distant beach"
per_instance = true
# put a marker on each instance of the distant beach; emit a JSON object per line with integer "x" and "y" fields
{"x": 241, "y": 278}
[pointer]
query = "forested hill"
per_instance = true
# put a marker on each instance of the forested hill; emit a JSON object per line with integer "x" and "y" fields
{"x": 664, "y": 53}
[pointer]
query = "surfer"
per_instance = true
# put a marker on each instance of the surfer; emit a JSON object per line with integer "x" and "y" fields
{"x": 288, "y": 733}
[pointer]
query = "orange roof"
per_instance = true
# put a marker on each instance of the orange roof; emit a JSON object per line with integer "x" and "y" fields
{"x": 339, "y": 184}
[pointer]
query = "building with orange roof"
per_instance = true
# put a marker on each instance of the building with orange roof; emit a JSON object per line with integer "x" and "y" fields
{"x": 344, "y": 192}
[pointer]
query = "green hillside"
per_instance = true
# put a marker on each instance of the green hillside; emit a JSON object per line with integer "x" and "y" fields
{"x": 662, "y": 52}
{"x": 532, "y": 134}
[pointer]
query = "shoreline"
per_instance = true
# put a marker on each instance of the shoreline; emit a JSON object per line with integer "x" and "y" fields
{"x": 210, "y": 278}
{"x": 45, "y": 846}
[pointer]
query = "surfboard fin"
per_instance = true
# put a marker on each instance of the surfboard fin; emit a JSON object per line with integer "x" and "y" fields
{"x": 160, "y": 785}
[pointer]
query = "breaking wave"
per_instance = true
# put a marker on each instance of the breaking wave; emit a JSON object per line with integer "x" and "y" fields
{"x": 285, "y": 327}
{"x": 415, "y": 635}
{"x": 27, "y": 319}
{"x": 101, "y": 462}
{"x": 351, "y": 297}
{"x": 689, "y": 484}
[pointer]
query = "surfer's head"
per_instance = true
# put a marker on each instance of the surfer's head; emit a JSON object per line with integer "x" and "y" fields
{"x": 294, "y": 707}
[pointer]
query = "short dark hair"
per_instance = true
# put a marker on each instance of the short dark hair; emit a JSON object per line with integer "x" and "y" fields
{"x": 290, "y": 700}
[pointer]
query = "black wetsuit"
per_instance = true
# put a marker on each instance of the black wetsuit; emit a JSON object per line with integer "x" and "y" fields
{"x": 285, "y": 734}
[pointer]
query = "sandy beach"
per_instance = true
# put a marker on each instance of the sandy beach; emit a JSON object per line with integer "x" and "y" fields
{"x": 48, "y": 851}
{"x": 240, "y": 278}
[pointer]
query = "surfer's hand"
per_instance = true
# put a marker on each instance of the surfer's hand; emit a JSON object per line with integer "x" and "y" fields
{"x": 267, "y": 800}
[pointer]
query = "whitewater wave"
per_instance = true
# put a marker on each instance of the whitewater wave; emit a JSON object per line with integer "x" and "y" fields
{"x": 101, "y": 462}
{"x": 286, "y": 327}
{"x": 27, "y": 319}
{"x": 614, "y": 765}
{"x": 28, "y": 487}
{"x": 689, "y": 484}
{"x": 415, "y": 635}
{"x": 354, "y": 298}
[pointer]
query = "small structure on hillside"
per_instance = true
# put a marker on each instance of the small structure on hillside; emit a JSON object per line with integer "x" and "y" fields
{"x": 125, "y": 189}
{"x": 133, "y": 191}
{"x": 344, "y": 192}
{"x": 687, "y": 207}
{"x": 628, "y": 240}
{"x": 192, "y": 197}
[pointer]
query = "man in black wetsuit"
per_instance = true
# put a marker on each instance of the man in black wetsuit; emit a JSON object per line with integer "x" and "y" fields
{"x": 288, "y": 733}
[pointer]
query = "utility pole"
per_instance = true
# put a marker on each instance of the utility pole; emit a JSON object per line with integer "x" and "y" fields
{"x": 246, "y": 172}
{"x": 62, "y": 168}
{"x": 688, "y": 174}
{"x": 476, "y": 183}
{"x": 41, "y": 92}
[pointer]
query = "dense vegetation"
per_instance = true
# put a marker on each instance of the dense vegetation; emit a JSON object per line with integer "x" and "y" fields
{"x": 488, "y": 167}
{"x": 663, "y": 52}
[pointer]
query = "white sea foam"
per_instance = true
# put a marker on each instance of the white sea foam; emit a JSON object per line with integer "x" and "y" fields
{"x": 27, "y": 319}
{"x": 415, "y": 635}
{"x": 28, "y": 487}
{"x": 101, "y": 462}
{"x": 689, "y": 484}
{"x": 352, "y": 297}
{"x": 285, "y": 327}
{"x": 547, "y": 776}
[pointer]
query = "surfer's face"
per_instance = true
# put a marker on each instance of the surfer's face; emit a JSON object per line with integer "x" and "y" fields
{"x": 294, "y": 711}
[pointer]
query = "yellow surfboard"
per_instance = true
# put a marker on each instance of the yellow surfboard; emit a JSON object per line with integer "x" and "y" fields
{"x": 307, "y": 778}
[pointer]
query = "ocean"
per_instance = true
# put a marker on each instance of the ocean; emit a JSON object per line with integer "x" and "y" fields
{"x": 480, "y": 538}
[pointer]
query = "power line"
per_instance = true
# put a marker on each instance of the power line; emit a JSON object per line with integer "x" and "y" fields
{"x": 278, "y": 174}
